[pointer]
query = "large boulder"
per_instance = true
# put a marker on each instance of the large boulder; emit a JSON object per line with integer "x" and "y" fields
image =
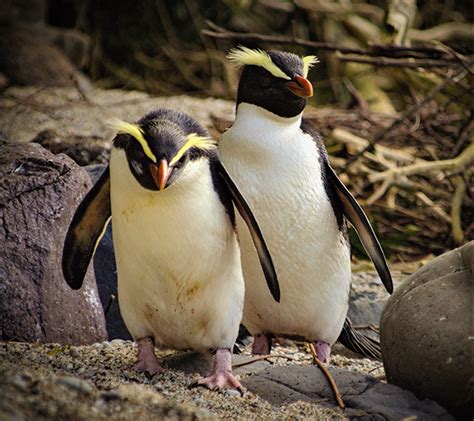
{"x": 426, "y": 332}
{"x": 34, "y": 53}
{"x": 29, "y": 60}
{"x": 39, "y": 193}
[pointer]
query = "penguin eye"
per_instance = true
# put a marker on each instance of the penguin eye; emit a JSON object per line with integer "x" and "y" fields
{"x": 180, "y": 163}
{"x": 137, "y": 167}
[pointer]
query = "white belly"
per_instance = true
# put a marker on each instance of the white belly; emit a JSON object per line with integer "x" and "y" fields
{"x": 178, "y": 261}
{"x": 276, "y": 167}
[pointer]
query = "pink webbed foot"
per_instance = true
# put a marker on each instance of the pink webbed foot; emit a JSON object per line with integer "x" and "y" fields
{"x": 146, "y": 360}
{"x": 323, "y": 351}
{"x": 262, "y": 344}
{"x": 221, "y": 376}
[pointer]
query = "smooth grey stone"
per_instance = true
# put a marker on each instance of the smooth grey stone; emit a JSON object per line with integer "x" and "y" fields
{"x": 426, "y": 332}
{"x": 287, "y": 384}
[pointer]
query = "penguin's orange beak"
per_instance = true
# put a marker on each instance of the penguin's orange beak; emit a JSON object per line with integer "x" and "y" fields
{"x": 300, "y": 86}
{"x": 160, "y": 173}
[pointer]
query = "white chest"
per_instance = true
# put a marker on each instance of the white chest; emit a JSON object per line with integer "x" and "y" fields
{"x": 176, "y": 255}
{"x": 277, "y": 168}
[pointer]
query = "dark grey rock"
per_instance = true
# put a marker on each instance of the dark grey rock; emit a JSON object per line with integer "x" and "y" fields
{"x": 95, "y": 171}
{"x": 367, "y": 299}
{"x": 32, "y": 52}
{"x": 83, "y": 149}
{"x": 39, "y": 193}
{"x": 426, "y": 328}
{"x": 363, "y": 396}
{"x": 28, "y": 60}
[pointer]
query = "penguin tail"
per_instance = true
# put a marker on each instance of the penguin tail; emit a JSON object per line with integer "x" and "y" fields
{"x": 358, "y": 342}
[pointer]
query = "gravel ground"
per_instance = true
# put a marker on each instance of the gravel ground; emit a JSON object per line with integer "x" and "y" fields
{"x": 96, "y": 382}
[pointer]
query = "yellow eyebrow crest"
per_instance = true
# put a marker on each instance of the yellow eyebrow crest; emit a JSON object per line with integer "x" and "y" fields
{"x": 136, "y": 132}
{"x": 308, "y": 62}
{"x": 194, "y": 140}
{"x": 242, "y": 56}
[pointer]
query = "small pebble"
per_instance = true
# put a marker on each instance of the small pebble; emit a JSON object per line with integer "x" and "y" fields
{"x": 27, "y": 376}
{"x": 110, "y": 395}
{"x": 81, "y": 370}
{"x": 73, "y": 352}
{"x": 232, "y": 392}
{"x": 19, "y": 383}
{"x": 76, "y": 384}
{"x": 200, "y": 402}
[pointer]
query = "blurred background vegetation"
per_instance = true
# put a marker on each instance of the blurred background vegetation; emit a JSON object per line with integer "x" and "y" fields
{"x": 393, "y": 89}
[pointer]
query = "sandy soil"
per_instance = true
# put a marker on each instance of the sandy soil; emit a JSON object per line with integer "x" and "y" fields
{"x": 96, "y": 382}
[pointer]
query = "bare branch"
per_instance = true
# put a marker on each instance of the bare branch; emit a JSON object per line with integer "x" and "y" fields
{"x": 393, "y": 62}
{"x": 406, "y": 115}
{"x": 421, "y": 52}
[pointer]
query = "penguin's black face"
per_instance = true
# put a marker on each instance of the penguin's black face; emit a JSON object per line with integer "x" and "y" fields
{"x": 282, "y": 92}
{"x": 160, "y": 145}
{"x": 156, "y": 175}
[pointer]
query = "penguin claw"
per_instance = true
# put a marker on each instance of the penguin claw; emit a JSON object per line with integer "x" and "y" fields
{"x": 221, "y": 376}
{"x": 149, "y": 367}
{"x": 220, "y": 381}
{"x": 147, "y": 361}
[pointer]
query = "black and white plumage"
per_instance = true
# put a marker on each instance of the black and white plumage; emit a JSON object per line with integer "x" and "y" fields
{"x": 279, "y": 162}
{"x": 180, "y": 281}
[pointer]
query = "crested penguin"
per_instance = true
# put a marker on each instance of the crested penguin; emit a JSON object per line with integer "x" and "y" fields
{"x": 279, "y": 162}
{"x": 180, "y": 281}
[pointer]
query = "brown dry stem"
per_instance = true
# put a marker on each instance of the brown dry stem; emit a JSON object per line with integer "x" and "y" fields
{"x": 328, "y": 376}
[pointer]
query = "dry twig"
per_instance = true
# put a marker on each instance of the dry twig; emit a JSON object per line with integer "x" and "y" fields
{"x": 463, "y": 160}
{"x": 394, "y": 62}
{"x": 407, "y": 114}
{"x": 328, "y": 376}
{"x": 260, "y": 358}
{"x": 377, "y": 50}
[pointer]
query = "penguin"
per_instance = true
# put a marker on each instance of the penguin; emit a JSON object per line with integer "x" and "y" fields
{"x": 279, "y": 162}
{"x": 180, "y": 280}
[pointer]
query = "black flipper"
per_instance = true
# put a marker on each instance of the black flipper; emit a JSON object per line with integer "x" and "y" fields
{"x": 257, "y": 237}
{"x": 358, "y": 342}
{"x": 358, "y": 219}
{"x": 86, "y": 229}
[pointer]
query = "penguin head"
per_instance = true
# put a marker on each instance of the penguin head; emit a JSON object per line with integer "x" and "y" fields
{"x": 160, "y": 145}
{"x": 274, "y": 80}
